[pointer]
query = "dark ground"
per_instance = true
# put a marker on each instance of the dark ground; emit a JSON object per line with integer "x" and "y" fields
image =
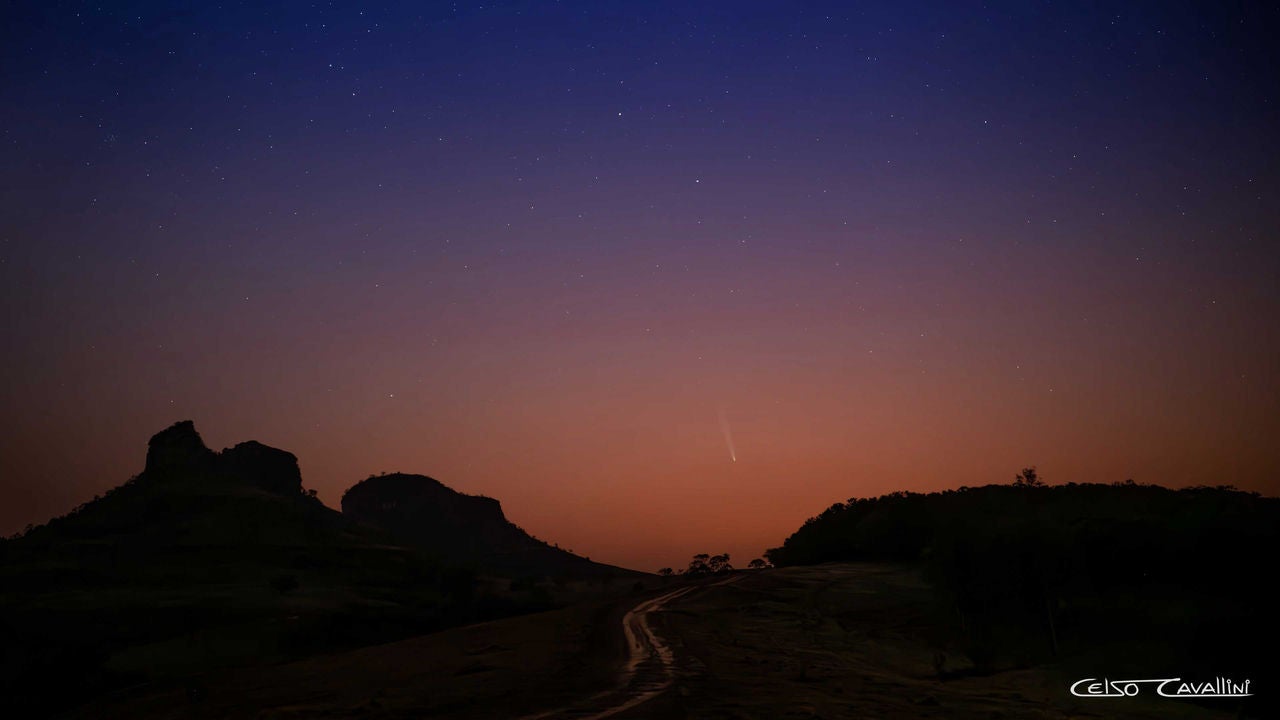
{"x": 833, "y": 641}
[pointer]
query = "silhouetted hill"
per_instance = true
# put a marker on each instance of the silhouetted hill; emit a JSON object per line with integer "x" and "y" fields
{"x": 470, "y": 530}
{"x": 209, "y": 559}
{"x": 1131, "y": 578}
{"x": 1154, "y": 521}
{"x": 189, "y": 495}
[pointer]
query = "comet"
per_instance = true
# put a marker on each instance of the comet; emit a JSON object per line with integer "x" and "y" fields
{"x": 728, "y": 436}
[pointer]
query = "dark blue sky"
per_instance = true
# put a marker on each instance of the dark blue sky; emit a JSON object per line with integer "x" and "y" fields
{"x": 535, "y": 249}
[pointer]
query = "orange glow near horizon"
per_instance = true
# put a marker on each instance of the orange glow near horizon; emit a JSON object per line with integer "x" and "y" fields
{"x": 601, "y": 432}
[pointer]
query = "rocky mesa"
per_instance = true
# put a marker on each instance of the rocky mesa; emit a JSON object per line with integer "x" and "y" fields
{"x": 464, "y": 529}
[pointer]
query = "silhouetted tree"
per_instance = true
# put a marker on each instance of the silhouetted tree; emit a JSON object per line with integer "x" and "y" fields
{"x": 719, "y": 564}
{"x": 1028, "y": 478}
{"x": 757, "y": 564}
{"x": 666, "y": 572}
{"x": 699, "y": 565}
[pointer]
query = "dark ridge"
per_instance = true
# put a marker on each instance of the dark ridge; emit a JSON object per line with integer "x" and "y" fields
{"x": 265, "y": 467}
{"x": 178, "y": 452}
{"x": 208, "y": 560}
{"x": 177, "y": 448}
{"x": 465, "y": 529}
{"x": 1152, "y": 579}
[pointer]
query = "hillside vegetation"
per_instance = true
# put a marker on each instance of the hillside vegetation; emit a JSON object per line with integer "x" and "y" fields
{"x": 1122, "y": 577}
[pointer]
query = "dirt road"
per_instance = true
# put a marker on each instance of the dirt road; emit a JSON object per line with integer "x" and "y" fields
{"x": 651, "y": 667}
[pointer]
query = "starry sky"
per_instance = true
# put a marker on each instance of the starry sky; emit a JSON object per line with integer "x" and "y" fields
{"x": 663, "y": 277}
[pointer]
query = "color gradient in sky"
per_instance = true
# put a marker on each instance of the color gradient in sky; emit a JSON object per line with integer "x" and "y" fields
{"x": 663, "y": 277}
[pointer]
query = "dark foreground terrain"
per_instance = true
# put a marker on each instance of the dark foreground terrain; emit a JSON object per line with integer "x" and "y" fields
{"x": 831, "y": 641}
{"x": 213, "y": 585}
{"x": 213, "y": 560}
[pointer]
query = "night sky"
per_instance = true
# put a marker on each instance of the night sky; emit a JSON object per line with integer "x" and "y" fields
{"x": 580, "y": 256}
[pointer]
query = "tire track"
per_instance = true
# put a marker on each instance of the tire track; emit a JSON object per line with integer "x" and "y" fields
{"x": 650, "y": 668}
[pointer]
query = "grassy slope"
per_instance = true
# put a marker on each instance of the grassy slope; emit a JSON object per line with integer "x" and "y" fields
{"x": 859, "y": 641}
{"x": 501, "y": 668}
